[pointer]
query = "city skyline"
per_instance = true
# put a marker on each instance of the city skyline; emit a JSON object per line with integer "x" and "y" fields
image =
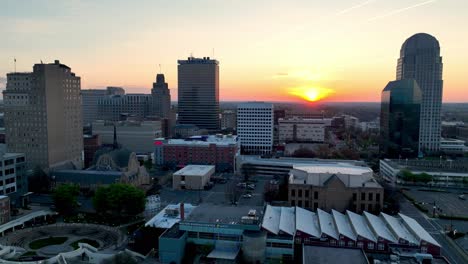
{"x": 347, "y": 49}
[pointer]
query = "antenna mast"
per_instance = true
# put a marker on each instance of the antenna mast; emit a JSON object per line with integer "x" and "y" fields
{"x": 15, "y": 63}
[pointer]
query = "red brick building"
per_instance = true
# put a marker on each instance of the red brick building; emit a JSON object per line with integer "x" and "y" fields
{"x": 372, "y": 233}
{"x": 216, "y": 150}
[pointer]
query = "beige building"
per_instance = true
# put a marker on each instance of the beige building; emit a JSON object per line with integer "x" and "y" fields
{"x": 302, "y": 129}
{"x": 136, "y": 136}
{"x": 43, "y": 115}
{"x": 192, "y": 177}
{"x": 340, "y": 187}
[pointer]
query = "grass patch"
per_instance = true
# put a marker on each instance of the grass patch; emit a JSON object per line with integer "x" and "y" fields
{"x": 91, "y": 242}
{"x": 40, "y": 243}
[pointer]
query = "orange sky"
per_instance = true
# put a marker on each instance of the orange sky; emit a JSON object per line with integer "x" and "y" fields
{"x": 266, "y": 49}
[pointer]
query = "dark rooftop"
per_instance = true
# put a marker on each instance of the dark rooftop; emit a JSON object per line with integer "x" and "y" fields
{"x": 210, "y": 213}
{"x": 331, "y": 255}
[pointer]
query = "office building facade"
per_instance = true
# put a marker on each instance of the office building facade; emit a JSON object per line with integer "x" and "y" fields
{"x": 255, "y": 127}
{"x": 90, "y": 98}
{"x": 43, "y": 115}
{"x": 420, "y": 60}
{"x": 218, "y": 150}
{"x": 161, "y": 98}
{"x": 13, "y": 178}
{"x": 302, "y": 130}
{"x": 120, "y": 107}
{"x": 400, "y": 119}
{"x": 198, "y": 92}
{"x": 228, "y": 119}
{"x": 136, "y": 136}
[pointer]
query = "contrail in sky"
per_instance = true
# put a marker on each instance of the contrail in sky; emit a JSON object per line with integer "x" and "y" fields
{"x": 344, "y": 11}
{"x": 394, "y": 12}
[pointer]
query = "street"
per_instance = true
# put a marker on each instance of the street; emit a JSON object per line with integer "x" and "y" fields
{"x": 435, "y": 227}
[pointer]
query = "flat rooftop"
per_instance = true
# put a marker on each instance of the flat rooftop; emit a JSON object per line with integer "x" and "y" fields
{"x": 288, "y": 161}
{"x": 332, "y": 255}
{"x": 221, "y": 140}
{"x": 430, "y": 166}
{"x": 165, "y": 220}
{"x": 195, "y": 170}
{"x": 222, "y": 214}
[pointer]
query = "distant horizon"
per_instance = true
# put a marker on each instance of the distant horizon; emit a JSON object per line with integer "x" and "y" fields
{"x": 338, "y": 51}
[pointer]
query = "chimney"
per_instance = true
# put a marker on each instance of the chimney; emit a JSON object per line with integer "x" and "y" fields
{"x": 182, "y": 212}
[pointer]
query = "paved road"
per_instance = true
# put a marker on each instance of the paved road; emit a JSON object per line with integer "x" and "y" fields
{"x": 451, "y": 252}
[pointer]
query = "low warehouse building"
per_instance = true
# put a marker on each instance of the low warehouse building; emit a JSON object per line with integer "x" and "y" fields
{"x": 192, "y": 177}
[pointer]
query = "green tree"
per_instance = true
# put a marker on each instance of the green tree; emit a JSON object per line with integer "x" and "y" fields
{"x": 119, "y": 199}
{"x": 406, "y": 175}
{"x": 64, "y": 197}
{"x": 423, "y": 177}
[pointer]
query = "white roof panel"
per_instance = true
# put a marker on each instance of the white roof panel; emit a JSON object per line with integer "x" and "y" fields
{"x": 327, "y": 224}
{"x": 360, "y": 226}
{"x": 398, "y": 228}
{"x": 343, "y": 225}
{"x": 418, "y": 230}
{"x": 287, "y": 220}
{"x": 379, "y": 227}
{"x": 271, "y": 219}
{"x": 307, "y": 222}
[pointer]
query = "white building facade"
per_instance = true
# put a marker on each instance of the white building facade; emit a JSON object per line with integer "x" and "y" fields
{"x": 255, "y": 127}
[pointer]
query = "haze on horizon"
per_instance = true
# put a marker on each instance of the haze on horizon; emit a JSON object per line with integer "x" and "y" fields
{"x": 268, "y": 50}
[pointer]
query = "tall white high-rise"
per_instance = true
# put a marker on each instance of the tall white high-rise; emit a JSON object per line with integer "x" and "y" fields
{"x": 420, "y": 60}
{"x": 43, "y": 116}
{"x": 198, "y": 92}
{"x": 255, "y": 127}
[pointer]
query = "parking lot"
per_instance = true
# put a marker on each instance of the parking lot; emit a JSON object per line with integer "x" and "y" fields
{"x": 216, "y": 195}
{"x": 448, "y": 202}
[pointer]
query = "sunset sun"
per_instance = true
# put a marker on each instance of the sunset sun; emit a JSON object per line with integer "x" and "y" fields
{"x": 311, "y": 94}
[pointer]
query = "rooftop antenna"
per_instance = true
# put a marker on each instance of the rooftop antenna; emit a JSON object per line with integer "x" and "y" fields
{"x": 15, "y": 63}
{"x": 160, "y": 68}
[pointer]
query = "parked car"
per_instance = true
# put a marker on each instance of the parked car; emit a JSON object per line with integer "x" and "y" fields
{"x": 242, "y": 184}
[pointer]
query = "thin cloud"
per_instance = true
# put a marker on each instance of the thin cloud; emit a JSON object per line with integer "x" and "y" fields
{"x": 394, "y": 12}
{"x": 344, "y": 11}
